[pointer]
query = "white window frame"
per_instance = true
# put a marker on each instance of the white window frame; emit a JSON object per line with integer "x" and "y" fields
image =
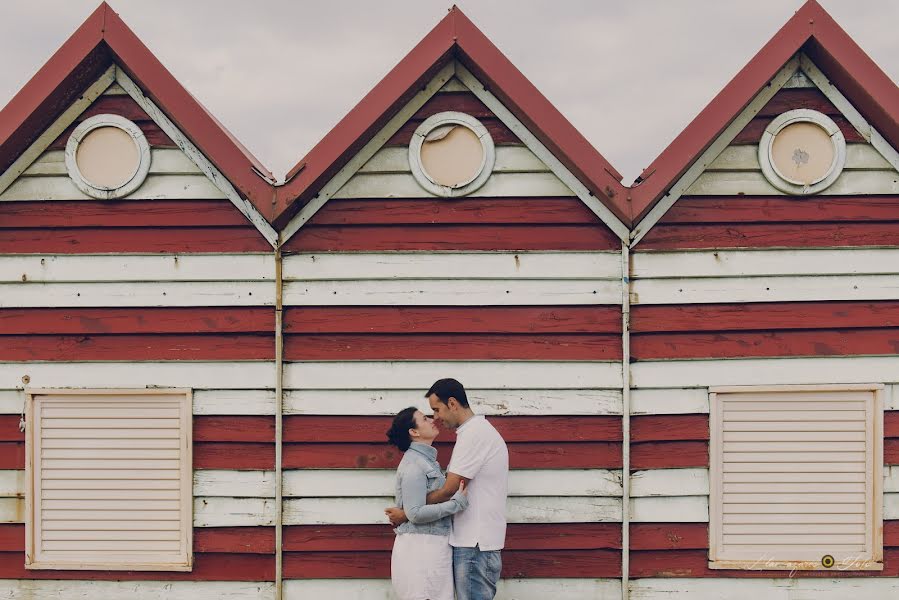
{"x": 875, "y": 503}
{"x": 185, "y": 563}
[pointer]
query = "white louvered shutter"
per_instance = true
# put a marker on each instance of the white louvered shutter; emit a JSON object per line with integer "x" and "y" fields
{"x": 110, "y": 480}
{"x": 796, "y": 476}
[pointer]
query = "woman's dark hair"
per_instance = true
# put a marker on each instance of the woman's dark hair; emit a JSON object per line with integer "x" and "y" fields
{"x": 398, "y": 434}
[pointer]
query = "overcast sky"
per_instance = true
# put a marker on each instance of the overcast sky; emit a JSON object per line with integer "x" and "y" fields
{"x": 630, "y": 74}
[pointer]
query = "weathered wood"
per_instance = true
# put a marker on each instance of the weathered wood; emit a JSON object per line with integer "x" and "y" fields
{"x": 669, "y": 401}
{"x": 230, "y": 483}
{"x": 106, "y": 213}
{"x": 155, "y": 187}
{"x": 509, "y": 159}
{"x": 465, "y": 346}
{"x": 649, "y": 428}
{"x": 520, "y": 589}
{"x": 233, "y": 429}
{"x": 233, "y": 402}
{"x": 863, "y": 157}
{"x": 752, "y": 133}
{"x": 388, "y": 185}
{"x": 677, "y": 509}
{"x": 419, "y": 375}
{"x": 26, "y": 589}
{"x": 733, "y": 183}
{"x": 485, "y": 402}
{"x": 669, "y": 454}
{"x": 792, "y": 99}
{"x": 156, "y": 137}
{"x": 374, "y": 238}
{"x": 513, "y": 428}
{"x": 236, "y": 455}
{"x": 773, "y": 586}
{"x": 246, "y": 540}
{"x": 180, "y": 293}
{"x": 669, "y": 536}
{"x": 462, "y": 211}
{"x": 164, "y": 161}
{"x": 233, "y": 512}
{"x": 450, "y": 319}
{"x": 150, "y": 347}
{"x": 784, "y": 209}
{"x": 670, "y": 482}
{"x": 500, "y": 133}
{"x": 763, "y": 235}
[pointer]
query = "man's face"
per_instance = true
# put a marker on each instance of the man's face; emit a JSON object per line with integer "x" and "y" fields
{"x": 442, "y": 412}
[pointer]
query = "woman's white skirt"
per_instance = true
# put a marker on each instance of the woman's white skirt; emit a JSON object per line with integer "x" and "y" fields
{"x": 421, "y": 567}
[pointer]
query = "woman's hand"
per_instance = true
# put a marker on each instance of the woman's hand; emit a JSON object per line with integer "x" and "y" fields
{"x": 463, "y": 488}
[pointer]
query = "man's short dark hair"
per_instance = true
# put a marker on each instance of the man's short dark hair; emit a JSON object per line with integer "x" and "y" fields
{"x": 448, "y": 388}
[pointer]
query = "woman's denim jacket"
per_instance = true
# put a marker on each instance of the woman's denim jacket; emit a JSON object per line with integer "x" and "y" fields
{"x": 418, "y": 474}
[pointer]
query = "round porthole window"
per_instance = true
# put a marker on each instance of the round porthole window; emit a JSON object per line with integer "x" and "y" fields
{"x": 802, "y": 152}
{"x": 451, "y": 154}
{"x": 107, "y": 156}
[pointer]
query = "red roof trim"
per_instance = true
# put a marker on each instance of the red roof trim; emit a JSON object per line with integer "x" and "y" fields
{"x": 102, "y": 38}
{"x": 811, "y": 29}
{"x": 454, "y": 37}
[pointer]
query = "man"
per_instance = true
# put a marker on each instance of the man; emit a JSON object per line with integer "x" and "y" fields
{"x": 480, "y": 459}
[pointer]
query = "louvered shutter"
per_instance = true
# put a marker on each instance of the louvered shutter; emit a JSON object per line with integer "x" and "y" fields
{"x": 110, "y": 480}
{"x": 796, "y": 476}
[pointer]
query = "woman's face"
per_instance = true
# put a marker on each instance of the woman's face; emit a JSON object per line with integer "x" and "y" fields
{"x": 424, "y": 427}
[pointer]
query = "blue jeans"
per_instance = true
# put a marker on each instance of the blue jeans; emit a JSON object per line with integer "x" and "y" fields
{"x": 476, "y": 573}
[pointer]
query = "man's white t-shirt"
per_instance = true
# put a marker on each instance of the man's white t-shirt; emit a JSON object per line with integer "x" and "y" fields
{"x": 481, "y": 455}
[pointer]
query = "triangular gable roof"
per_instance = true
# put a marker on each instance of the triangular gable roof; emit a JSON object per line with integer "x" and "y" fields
{"x": 811, "y": 30}
{"x": 104, "y": 39}
{"x": 454, "y": 38}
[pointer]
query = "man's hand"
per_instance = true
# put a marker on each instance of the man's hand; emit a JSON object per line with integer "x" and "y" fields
{"x": 396, "y": 515}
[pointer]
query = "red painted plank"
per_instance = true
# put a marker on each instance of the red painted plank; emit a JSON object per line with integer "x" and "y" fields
{"x": 891, "y": 423}
{"x": 501, "y": 134}
{"x": 452, "y": 237}
{"x": 461, "y": 346}
{"x": 242, "y": 455}
{"x": 796, "y": 98}
{"x": 669, "y": 455}
{"x": 12, "y": 537}
{"x": 752, "y": 133}
{"x": 85, "y": 321}
{"x": 88, "y": 240}
{"x": 12, "y": 454}
{"x": 559, "y": 455}
{"x": 781, "y": 209}
{"x": 207, "y": 567}
{"x": 233, "y": 428}
{"x": 353, "y": 429}
{"x": 137, "y": 347}
{"x": 516, "y": 564}
{"x": 9, "y": 429}
{"x": 441, "y": 211}
{"x": 465, "y": 102}
{"x": 835, "y": 342}
{"x": 891, "y": 451}
{"x": 122, "y": 105}
{"x": 782, "y": 235}
{"x": 763, "y": 316}
{"x": 519, "y": 536}
{"x": 453, "y": 319}
{"x": 669, "y": 536}
{"x": 247, "y": 540}
{"x": 694, "y": 563}
{"x": 156, "y": 137}
{"x": 653, "y": 428}
{"x": 124, "y": 213}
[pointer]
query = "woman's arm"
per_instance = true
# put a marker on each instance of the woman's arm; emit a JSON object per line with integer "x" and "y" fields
{"x": 414, "y": 486}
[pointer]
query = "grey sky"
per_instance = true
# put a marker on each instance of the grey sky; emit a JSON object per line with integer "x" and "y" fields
{"x": 629, "y": 74}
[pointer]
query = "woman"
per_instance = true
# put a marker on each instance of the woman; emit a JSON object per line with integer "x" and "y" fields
{"x": 421, "y": 567}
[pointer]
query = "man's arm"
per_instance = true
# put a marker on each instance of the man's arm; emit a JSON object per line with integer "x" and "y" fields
{"x": 450, "y": 487}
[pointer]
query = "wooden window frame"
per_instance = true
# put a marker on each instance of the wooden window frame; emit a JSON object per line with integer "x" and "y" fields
{"x": 186, "y": 483}
{"x": 875, "y": 464}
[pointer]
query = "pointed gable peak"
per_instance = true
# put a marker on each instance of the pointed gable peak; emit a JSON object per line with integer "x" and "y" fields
{"x": 812, "y": 31}
{"x": 104, "y": 40}
{"x": 455, "y": 37}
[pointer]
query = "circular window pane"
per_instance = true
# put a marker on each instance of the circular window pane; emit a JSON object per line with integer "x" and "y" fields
{"x": 107, "y": 157}
{"x": 451, "y": 154}
{"x": 802, "y": 153}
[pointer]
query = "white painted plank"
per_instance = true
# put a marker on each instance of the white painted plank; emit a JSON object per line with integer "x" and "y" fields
{"x": 346, "y": 483}
{"x": 531, "y": 509}
{"x": 766, "y": 371}
{"x": 227, "y": 483}
{"x": 118, "y": 294}
{"x": 155, "y": 187}
{"x": 509, "y": 159}
{"x": 12, "y": 483}
{"x": 12, "y": 510}
{"x": 130, "y": 375}
{"x": 670, "y": 482}
{"x": 47, "y": 268}
{"x": 12, "y": 402}
{"x": 457, "y": 292}
{"x": 233, "y": 512}
{"x": 453, "y": 85}
{"x": 442, "y": 266}
{"x": 765, "y": 289}
{"x": 168, "y": 161}
{"x": 746, "y": 158}
{"x": 235, "y": 402}
{"x": 669, "y": 401}
{"x": 890, "y": 479}
{"x": 485, "y": 402}
{"x": 419, "y": 375}
{"x": 507, "y": 589}
{"x": 755, "y": 263}
{"x": 55, "y": 589}
{"x": 679, "y": 509}
{"x": 751, "y": 183}
{"x": 784, "y": 588}
{"x": 402, "y": 185}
